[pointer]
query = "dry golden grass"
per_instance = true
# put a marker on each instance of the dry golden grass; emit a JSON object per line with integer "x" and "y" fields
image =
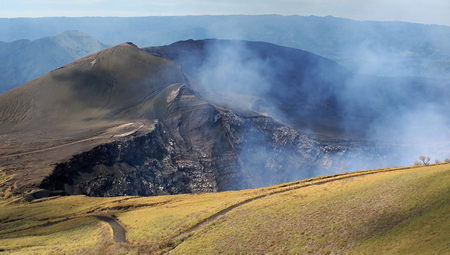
{"x": 356, "y": 216}
{"x": 64, "y": 237}
{"x": 397, "y": 212}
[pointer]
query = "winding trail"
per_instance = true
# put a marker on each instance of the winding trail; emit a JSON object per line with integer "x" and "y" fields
{"x": 181, "y": 237}
{"x": 118, "y": 231}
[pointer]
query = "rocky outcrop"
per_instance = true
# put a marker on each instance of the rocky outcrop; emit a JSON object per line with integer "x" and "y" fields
{"x": 151, "y": 164}
{"x": 221, "y": 151}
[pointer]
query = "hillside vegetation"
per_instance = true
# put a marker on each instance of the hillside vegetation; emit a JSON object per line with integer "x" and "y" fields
{"x": 384, "y": 211}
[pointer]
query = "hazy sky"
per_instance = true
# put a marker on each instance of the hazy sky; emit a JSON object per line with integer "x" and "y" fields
{"x": 422, "y": 11}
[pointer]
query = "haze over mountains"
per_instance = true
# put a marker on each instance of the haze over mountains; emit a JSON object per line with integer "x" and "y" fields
{"x": 24, "y": 60}
{"x": 392, "y": 49}
{"x": 384, "y": 48}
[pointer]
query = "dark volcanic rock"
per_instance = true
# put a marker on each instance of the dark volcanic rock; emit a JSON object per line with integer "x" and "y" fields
{"x": 187, "y": 152}
{"x": 207, "y": 149}
{"x": 146, "y": 165}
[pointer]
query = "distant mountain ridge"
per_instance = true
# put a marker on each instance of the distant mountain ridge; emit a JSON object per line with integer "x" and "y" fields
{"x": 385, "y": 48}
{"x": 23, "y": 60}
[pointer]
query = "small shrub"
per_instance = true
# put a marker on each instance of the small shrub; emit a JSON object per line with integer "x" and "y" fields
{"x": 447, "y": 160}
{"x": 425, "y": 160}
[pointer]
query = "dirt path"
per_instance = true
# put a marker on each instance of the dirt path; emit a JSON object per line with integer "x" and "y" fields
{"x": 285, "y": 188}
{"x": 118, "y": 231}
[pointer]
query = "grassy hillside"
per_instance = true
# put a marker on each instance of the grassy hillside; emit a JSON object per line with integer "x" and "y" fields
{"x": 384, "y": 211}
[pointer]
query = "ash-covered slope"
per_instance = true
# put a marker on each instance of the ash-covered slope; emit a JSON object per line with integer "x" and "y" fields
{"x": 24, "y": 60}
{"x": 124, "y": 122}
{"x": 100, "y": 87}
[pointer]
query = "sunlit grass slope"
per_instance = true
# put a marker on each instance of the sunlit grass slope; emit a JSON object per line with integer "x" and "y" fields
{"x": 388, "y": 211}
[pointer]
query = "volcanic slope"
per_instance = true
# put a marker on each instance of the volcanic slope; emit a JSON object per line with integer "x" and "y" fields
{"x": 382, "y": 211}
{"x": 76, "y": 107}
{"x": 124, "y": 122}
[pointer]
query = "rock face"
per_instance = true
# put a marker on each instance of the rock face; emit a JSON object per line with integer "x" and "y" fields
{"x": 207, "y": 149}
{"x": 151, "y": 164}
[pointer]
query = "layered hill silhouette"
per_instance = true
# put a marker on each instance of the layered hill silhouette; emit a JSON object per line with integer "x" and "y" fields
{"x": 388, "y": 48}
{"x": 164, "y": 120}
{"x": 24, "y": 60}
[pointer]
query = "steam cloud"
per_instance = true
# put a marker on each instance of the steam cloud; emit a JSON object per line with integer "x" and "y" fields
{"x": 399, "y": 116}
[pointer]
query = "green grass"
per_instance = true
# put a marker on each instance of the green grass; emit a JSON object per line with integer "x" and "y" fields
{"x": 389, "y": 212}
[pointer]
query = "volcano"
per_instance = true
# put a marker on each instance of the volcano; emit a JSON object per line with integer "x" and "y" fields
{"x": 131, "y": 121}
